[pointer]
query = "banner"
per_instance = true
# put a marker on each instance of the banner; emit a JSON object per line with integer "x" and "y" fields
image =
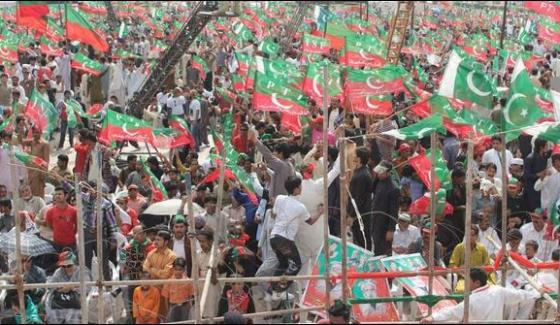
{"x": 417, "y": 286}
{"x": 359, "y": 260}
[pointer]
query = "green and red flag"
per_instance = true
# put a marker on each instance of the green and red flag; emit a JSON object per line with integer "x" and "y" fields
{"x": 375, "y": 105}
{"x": 184, "y": 137}
{"x": 79, "y": 29}
{"x": 359, "y": 26}
{"x": 49, "y": 50}
{"x": 120, "y": 127}
{"x": 423, "y": 167}
{"x": 42, "y": 113}
{"x": 6, "y": 122}
{"x": 32, "y": 14}
{"x": 225, "y": 97}
{"x": 419, "y": 129}
{"x": 363, "y": 51}
{"x": 82, "y": 62}
{"x": 336, "y": 34}
{"x": 9, "y": 51}
{"x": 54, "y": 32}
{"x": 388, "y": 79}
{"x": 238, "y": 82}
{"x": 159, "y": 193}
{"x": 553, "y": 223}
{"x": 74, "y": 111}
{"x": 549, "y": 31}
{"x": 315, "y": 44}
{"x": 269, "y": 47}
{"x": 242, "y": 32}
{"x": 218, "y": 143}
{"x": 313, "y": 82}
{"x": 200, "y": 65}
{"x": 550, "y": 9}
{"x": 464, "y": 81}
{"x": 28, "y": 159}
{"x": 272, "y": 95}
{"x": 243, "y": 63}
{"x": 521, "y": 109}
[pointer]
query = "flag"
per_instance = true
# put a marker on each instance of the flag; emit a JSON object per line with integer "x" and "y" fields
{"x": 315, "y": 45}
{"x": 423, "y": 167}
{"x": 73, "y": 110}
{"x": 215, "y": 175}
{"x": 83, "y": 63}
{"x": 269, "y": 47}
{"x": 465, "y": 82}
{"x": 550, "y": 9}
{"x": 419, "y": 130}
{"x": 549, "y": 131}
{"x": 42, "y": 113}
{"x": 79, "y": 29}
{"x": 94, "y": 109}
{"x": 28, "y": 159}
{"x": 363, "y": 51}
{"x": 180, "y": 125}
{"x": 388, "y": 79}
{"x": 243, "y": 63}
{"x": 49, "y": 50}
{"x": 521, "y": 109}
{"x": 119, "y": 127}
{"x": 159, "y": 193}
{"x": 123, "y": 30}
{"x": 199, "y": 64}
{"x": 218, "y": 143}
{"x": 380, "y": 105}
{"x": 549, "y": 31}
{"x": 32, "y": 14}
{"x": 553, "y": 222}
{"x": 9, "y": 51}
{"x": 313, "y": 82}
{"x": 6, "y": 122}
{"x": 242, "y": 32}
{"x": 273, "y": 96}
{"x": 337, "y": 34}
{"x": 282, "y": 71}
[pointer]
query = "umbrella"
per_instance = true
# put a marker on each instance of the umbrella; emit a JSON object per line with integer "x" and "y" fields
{"x": 31, "y": 244}
{"x": 170, "y": 207}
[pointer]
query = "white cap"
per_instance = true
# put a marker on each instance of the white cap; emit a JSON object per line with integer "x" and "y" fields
{"x": 517, "y": 161}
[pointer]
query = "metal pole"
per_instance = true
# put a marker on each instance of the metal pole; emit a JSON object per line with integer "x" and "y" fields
{"x": 433, "y": 202}
{"x": 468, "y": 217}
{"x": 99, "y": 248}
{"x": 19, "y": 265}
{"x": 81, "y": 250}
{"x": 195, "y": 270}
{"x": 343, "y": 222}
{"x": 326, "y": 187}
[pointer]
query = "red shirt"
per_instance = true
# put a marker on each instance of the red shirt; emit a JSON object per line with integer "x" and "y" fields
{"x": 63, "y": 222}
{"x": 125, "y": 227}
{"x": 82, "y": 150}
{"x": 242, "y": 145}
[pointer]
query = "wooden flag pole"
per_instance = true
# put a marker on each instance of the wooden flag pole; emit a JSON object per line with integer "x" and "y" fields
{"x": 468, "y": 219}
{"x": 326, "y": 188}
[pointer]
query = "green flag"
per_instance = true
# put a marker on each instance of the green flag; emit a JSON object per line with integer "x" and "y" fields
{"x": 420, "y": 129}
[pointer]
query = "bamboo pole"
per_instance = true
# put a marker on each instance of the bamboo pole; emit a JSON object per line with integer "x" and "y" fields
{"x": 343, "y": 222}
{"x": 433, "y": 202}
{"x": 19, "y": 265}
{"x": 81, "y": 250}
{"x": 99, "y": 235}
{"x": 259, "y": 314}
{"x": 468, "y": 217}
{"x": 195, "y": 270}
{"x": 326, "y": 188}
{"x": 526, "y": 276}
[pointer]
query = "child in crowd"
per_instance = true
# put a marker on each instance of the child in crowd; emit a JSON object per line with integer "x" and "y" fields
{"x": 178, "y": 295}
{"x": 145, "y": 303}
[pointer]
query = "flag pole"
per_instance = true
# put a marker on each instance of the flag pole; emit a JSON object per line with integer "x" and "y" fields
{"x": 195, "y": 271}
{"x": 326, "y": 191}
{"x": 81, "y": 250}
{"x": 433, "y": 201}
{"x": 99, "y": 235}
{"x": 468, "y": 219}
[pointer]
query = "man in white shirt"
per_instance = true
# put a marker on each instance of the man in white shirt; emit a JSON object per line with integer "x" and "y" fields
{"x": 494, "y": 155}
{"x": 176, "y": 103}
{"x": 405, "y": 234}
{"x": 195, "y": 114}
{"x": 486, "y": 231}
{"x": 549, "y": 182}
{"x": 289, "y": 214}
{"x": 486, "y": 302}
{"x": 535, "y": 230}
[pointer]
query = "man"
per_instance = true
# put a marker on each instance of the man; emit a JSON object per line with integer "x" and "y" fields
{"x": 405, "y": 234}
{"x": 549, "y": 180}
{"x": 212, "y": 218}
{"x": 535, "y": 230}
{"x": 485, "y": 230}
{"x": 29, "y": 202}
{"x": 7, "y": 219}
{"x": 205, "y": 237}
{"x": 62, "y": 218}
{"x": 132, "y": 162}
{"x": 241, "y": 142}
{"x": 516, "y": 169}
{"x": 180, "y": 243}
{"x": 279, "y": 164}
{"x": 486, "y": 302}
{"x": 195, "y": 116}
{"x": 5, "y": 91}
{"x": 535, "y": 166}
{"x": 138, "y": 178}
{"x": 61, "y": 170}
{"x": 64, "y": 126}
{"x": 135, "y": 253}
{"x": 339, "y": 313}
{"x": 479, "y": 255}
{"x": 37, "y": 178}
{"x": 361, "y": 186}
{"x": 153, "y": 164}
{"x": 494, "y": 155}
{"x": 289, "y": 214}
{"x": 176, "y": 103}
{"x": 159, "y": 262}
{"x": 136, "y": 201}
{"x": 385, "y": 208}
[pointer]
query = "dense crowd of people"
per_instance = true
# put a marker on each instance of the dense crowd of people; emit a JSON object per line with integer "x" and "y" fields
{"x": 269, "y": 223}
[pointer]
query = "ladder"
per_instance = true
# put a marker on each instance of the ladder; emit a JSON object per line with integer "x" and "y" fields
{"x": 112, "y": 18}
{"x": 165, "y": 65}
{"x": 294, "y": 24}
{"x": 397, "y": 34}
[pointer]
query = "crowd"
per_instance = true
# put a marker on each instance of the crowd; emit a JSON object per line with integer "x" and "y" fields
{"x": 269, "y": 222}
